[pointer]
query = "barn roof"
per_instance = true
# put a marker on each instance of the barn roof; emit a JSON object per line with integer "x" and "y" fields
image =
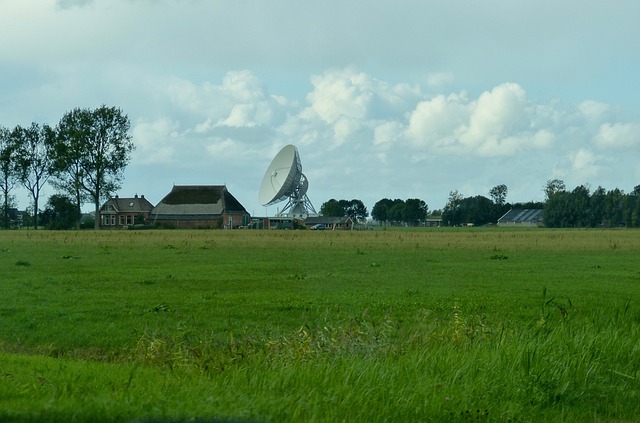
{"x": 522, "y": 216}
{"x": 197, "y": 202}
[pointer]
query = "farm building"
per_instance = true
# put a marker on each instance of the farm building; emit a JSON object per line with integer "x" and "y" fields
{"x": 329, "y": 222}
{"x": 278, "y": 222}
{"x": 123, "y": 212}
{"x": 521, "y": 217}
{"x": 199, "y": 206}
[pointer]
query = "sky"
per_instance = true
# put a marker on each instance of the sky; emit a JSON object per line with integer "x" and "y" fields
{"x": 385, "y": 99}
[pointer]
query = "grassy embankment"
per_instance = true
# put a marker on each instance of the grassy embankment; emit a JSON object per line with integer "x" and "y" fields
{"x": 490, "y": 325}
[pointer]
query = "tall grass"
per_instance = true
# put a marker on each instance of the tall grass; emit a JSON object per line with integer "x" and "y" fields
{"x": 376, "y": 326}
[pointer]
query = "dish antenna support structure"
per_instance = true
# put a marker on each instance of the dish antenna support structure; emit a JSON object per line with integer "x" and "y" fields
{"x": 284, "y": 180}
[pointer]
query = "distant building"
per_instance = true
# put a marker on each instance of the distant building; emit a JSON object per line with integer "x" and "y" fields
{"x": 124, "y": 212}
{"x": 522, "y": 217}
{"x": 433, "y": 222}
{"x": 329, "y": 222}
{"x": 199, "y": 206}
{"x": 277, "y": 222}
{"x": 17, "y": 218}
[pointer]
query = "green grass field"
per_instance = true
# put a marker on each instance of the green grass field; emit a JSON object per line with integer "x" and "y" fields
{"x": 426, "y": 325}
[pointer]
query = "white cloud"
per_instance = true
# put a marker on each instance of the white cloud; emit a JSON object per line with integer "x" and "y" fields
{"x": 501, "y": 122}
{"x": 221, "y": 149}
{"x": 246, "y": 115}
{"x": 347, "y": 94}
{"x": 410, "y": 97}
{"x": 618, "y": 135}
{"x": 156, "y": 141}
{"x": 437, "y": 123}
{"x": 240, "y": 100}
{"x": 340, "y": 93}
{"x": 584, "y": 165}
{"x": 344, "y": 128}
{"x": 440, "y": 79}
{"x": 386, "y": 134}
{"x": 594, "y": 110}
{"x": 498, "y": 113}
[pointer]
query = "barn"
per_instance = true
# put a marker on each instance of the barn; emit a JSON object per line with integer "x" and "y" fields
{"x": 521, "y": 217}
{"x": 199, "y": 207}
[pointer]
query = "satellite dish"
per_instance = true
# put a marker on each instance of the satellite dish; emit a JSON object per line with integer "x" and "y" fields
{"x": 284, "y": 180}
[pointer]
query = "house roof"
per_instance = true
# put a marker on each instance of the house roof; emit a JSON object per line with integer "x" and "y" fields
{"x": 197, "y": 202}
{"x": 134, "y": 205}
{"x": 522, "y": 215}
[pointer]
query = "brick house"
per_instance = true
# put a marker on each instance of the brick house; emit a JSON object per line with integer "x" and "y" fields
{"x": 124, "y": 212}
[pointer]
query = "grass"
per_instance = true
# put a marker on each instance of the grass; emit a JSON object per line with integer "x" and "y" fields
{"x": 425, "y": 325}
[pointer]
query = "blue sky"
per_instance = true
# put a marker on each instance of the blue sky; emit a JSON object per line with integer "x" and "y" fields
{"x": 398, "y": 99}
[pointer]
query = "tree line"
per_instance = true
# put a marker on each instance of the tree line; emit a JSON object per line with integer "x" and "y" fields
{"x": 561, "y": 208}
{"x": 459, "y": 210}
{"x": 410, "y": 212}
{"x": 581, "y": 208}
{"x": 355, "y": 209}
{"x": 83, "y": 157}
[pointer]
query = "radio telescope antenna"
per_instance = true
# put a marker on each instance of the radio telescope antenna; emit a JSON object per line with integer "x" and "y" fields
{"x": 284, "y": 180}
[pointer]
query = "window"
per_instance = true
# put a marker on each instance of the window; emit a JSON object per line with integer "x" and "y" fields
{"x": 128, "y": 219}
{"x": 113, "y": 219}
{"x": 121, "y": 220}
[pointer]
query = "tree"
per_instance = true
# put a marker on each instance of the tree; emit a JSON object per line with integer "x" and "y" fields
{"x": 333, "y": 208}
{"x": 93, "y": 149}
{"x": 499, "y": 194}
{"x": 8, "y": 174}
{"x": 396, "y": 212}
{"x": 68, "y": 164}
{"x": 553, "y": 186}
{"x": 478, "y": 210}
{"x": 614, "y": 207}
{"x": 381, "y": 209}
{"x": 581, "y": 206}
{"x": 597, "y": 207}
{"x": 60, "y": 213}
{"x": 356, "y": 210}
{"x": 557, "y": 210}
{"x": 34, "y": 158}
{"x": 415, "y": 211}
{"x": 451, "y": 212}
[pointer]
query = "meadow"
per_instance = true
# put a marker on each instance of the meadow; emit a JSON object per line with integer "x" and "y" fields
{"x": 473, "y": 324}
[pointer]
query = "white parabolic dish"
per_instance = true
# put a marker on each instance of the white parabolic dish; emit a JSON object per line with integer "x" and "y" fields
{"x": 282, "y": 177}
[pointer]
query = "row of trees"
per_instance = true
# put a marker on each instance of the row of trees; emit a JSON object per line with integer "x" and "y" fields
{"x": 355, "y": 209}
{"x": 411, "y": 212}
{"x": 83, "y": 157}
{"x": 582, "y": 208}
{"x": 391, "y": 212}
{"x": 562, "y": 208}
{"x": 478, "y": 210}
